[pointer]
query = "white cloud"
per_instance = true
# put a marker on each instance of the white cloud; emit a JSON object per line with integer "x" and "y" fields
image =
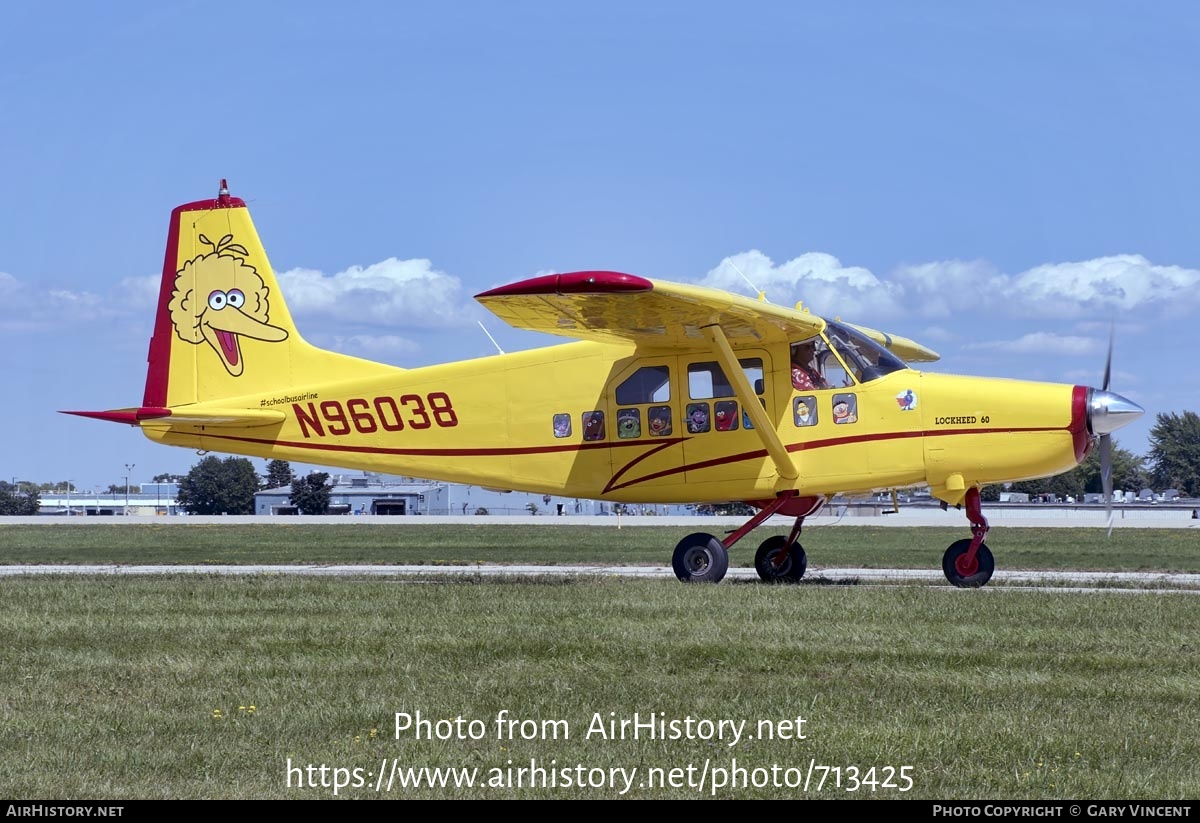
{"x": 939, "y": 334}
{"x": 1102, "y": 286}
{"x": 1094, "y": 377}
{"x": 947, "y": 287}
{"x": 1045, "y": 344}
{"x": 820, "y": 280}
{"x": 392, "y": 293}
{"x": 29, "y": 309}
{"x": 1124, "y": 282}
{"x": 375, "y": 345}
{"x": 139, "y": 292}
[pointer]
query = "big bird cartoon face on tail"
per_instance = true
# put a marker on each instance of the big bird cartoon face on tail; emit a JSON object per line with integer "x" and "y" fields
{"x": 219, "y": 299}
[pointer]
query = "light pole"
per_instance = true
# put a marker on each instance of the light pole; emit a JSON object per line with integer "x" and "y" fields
{"x": 128, "y": 469}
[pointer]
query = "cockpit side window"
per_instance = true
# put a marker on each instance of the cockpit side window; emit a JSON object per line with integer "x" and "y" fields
{"x": 865, "y": 358}
{"x": 808, "y": 359}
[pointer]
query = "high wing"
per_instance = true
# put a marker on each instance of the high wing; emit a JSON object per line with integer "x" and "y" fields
{"x": 907, "y": 350}
{"x": 612, "y": 307}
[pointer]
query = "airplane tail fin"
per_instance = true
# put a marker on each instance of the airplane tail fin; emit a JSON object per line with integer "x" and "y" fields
{"x": 223, "y": 330}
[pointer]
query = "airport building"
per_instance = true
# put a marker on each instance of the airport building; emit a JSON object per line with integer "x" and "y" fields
{"x": 352, "y": 495}
{"x": 377, "y": 494}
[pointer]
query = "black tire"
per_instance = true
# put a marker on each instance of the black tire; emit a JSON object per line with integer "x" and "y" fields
{"x": 966, "y": 578}
{"x": 767, "y": 561}
{"x": 700, "y": 558}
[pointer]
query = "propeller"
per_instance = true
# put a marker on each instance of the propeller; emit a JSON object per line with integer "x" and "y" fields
{"x": 1106, "y": 482}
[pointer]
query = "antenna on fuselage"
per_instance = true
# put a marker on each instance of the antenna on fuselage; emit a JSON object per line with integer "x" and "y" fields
{"x": 489, "y": 336}
{"x": 762, "y": 295}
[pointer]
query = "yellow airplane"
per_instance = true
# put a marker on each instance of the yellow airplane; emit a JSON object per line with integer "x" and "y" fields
{"x": 673, "y": 394}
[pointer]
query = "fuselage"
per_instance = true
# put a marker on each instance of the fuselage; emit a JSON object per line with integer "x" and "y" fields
{"x": 612, "y": 422}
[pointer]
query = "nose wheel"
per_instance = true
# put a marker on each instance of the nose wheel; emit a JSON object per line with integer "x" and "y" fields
{"x": 964, "y": 570}
{"x": 969, "y": 564}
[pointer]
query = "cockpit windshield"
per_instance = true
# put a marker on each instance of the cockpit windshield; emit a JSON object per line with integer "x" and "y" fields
{"x": 865, "y": 358}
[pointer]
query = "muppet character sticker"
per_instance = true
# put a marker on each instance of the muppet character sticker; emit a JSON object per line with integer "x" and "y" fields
{"x": 845, "y": 408}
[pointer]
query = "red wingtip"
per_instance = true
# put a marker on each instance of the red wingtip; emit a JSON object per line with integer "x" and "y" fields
{"x": 129, "y": 416}
{"x": 576, "y": 282}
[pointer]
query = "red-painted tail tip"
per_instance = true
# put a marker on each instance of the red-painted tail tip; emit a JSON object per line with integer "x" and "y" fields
{"x": 128, "y": 416}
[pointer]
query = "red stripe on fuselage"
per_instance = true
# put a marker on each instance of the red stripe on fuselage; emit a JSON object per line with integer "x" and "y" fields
{"x": 612, "y": 486}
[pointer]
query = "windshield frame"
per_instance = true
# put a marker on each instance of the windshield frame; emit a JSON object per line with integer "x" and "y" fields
{"x": 861, "y": 356}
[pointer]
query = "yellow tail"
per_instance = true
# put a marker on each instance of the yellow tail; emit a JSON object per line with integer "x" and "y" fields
{"x": 223, "y": 329}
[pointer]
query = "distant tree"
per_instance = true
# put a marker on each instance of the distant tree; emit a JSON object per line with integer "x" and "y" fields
{"x": 1128, "y": 470}
{"x": 1128, "y": 473}
{"x": 119, "y": 488}
{"x": 531, "y": 507}
{"x": 167, "y": 478}
{"x": 279, "y": 474}
{"x": 1068, "y": 484}
{"x": 216, "y": 486}
{"x": 311, "y": 494}
{"x": 57, "y": 486}
{"x": 990, "y": 494}
{"x": 1175, "y": 453}
{"x": 19, "y": 500}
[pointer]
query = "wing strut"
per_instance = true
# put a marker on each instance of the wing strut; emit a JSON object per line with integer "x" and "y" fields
{"x": 758, "y": 415}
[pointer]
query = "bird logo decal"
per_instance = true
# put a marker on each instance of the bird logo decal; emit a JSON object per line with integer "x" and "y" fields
{"x": 219, "y": 299}
{"x": 907, "y": 400}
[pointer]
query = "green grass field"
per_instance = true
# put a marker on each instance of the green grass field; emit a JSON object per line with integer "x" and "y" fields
{"x": 194, "y": 686}
{"x": 829, "y": 546}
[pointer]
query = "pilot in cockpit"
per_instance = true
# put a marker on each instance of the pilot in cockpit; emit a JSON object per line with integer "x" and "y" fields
{"x": 806, "y": 368}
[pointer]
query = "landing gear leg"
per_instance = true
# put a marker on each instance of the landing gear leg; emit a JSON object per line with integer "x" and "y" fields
{"x": 702, "y": 557}
{"x": 969, "y": 563}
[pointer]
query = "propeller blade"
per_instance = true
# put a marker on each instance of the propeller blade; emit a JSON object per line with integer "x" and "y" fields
{"x": 1108, "y": 361}
{"x": 1106, "y": 481}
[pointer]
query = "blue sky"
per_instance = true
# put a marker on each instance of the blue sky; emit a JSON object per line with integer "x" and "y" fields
{"x": 999, "y": 181}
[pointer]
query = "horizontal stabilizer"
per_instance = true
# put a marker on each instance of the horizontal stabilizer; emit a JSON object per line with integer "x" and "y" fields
{"x": 187, "y": 416}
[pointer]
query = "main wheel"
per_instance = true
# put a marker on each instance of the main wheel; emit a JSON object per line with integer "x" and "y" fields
{"x": 968, "y": 575}
{"x": 700, "y": 558}
{"x": 775, "y": 564}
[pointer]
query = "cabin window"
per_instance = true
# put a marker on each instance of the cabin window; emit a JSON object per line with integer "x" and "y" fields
{"x": 707, "y": 380}
{"x": 593, "y": 425}
{"x": 649, "y": 384}
{"x": 804, "y": 410}
{"x": 845, "y": 408}
{"x": 562, "y": 425}
{"x": 658, "y": 420}
{"x": 725, "y": 415}
{"x": 629, "y": 423}
{"x": 746, "y": 423}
